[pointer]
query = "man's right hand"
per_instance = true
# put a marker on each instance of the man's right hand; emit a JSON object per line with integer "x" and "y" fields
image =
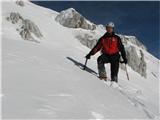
{"x": 88, "y": 56}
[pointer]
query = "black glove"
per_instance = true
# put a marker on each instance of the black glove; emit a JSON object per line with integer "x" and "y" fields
{"x": 88, "y": 56}
{"x": 124, "y": 61}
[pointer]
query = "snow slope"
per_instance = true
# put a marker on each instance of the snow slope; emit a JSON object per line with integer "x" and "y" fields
{"x": 44, "y": 80}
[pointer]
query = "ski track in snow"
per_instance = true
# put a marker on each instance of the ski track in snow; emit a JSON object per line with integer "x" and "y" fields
{"x": 136, "y": 101}
{"x": 134, "y": 97}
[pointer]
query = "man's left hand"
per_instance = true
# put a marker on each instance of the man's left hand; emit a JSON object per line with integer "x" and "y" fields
{"x": 124, "y": 61}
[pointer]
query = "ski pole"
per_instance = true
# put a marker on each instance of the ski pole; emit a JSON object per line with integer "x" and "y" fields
{"x": 126, "y": 72}
{"x": 84, "y": 67}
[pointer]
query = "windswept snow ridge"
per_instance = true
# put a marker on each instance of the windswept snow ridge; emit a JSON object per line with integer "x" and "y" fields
{"x": 45, "y": 80}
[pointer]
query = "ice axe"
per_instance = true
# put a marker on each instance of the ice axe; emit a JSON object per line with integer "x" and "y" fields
{"x": 125, "y": 70}
{"x": 84, "y": 67}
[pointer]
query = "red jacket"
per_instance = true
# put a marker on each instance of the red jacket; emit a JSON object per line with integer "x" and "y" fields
{"x": 109, "y": 44}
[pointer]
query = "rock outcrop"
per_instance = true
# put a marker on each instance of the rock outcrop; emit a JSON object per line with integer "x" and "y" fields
{"x": 142, "y": 65}
{"x": 31, "y": 27}
{"x": 20, "y": 3}
{"x": 87, "y": 40}
{"x": 14, "y": 17}
{"x": 72, "y": 19}
{"x": 137, "y": 63}
{"x": 27, "y": 27}
{"x": 133, "y": 40}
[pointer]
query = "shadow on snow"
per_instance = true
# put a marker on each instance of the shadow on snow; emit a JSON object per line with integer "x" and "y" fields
{"x": 80, "y": 65}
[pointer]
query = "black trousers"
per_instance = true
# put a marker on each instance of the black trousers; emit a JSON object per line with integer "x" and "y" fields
{"x": 114, "y": 65}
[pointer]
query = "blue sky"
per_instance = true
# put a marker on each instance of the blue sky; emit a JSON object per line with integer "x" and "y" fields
{"x": 137, "y": 18}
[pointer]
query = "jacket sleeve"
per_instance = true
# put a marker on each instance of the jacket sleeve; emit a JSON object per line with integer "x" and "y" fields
{"x": 97, "y": 47}
{"x": 122, "y": 50}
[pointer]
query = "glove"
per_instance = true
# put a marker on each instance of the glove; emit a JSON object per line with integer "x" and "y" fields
{"x": 124, "y": 61}
{"x": 88, "y": 56}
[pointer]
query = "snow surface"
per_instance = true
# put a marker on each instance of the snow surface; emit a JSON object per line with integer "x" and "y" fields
{"x": 44, "y": 80}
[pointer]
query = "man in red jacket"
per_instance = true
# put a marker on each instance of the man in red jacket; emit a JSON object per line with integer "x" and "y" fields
{"x": 110, "y": 45}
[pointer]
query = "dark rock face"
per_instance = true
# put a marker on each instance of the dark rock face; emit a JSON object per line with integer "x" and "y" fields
{"x": 14, "y": 17}
{"x": 133, "y": 40}
{"x": 142, "y": 65}
{"x": 27, "y": 27}
{"x": 137, "y": 63}
{"x": 87, "y": 40}
{"x": 31, "y": 27}
{"x": 72, "y": 19}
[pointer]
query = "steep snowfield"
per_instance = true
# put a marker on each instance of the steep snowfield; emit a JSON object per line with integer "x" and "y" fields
{"x": 44, "y": 80}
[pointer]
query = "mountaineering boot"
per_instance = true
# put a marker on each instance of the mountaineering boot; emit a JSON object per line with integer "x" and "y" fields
{"x": 103, "y": 78}
{"x": 102, "y": 72}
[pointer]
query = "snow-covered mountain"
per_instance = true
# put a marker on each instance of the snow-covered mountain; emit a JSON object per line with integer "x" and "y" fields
{"x": 41, "y": 75}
